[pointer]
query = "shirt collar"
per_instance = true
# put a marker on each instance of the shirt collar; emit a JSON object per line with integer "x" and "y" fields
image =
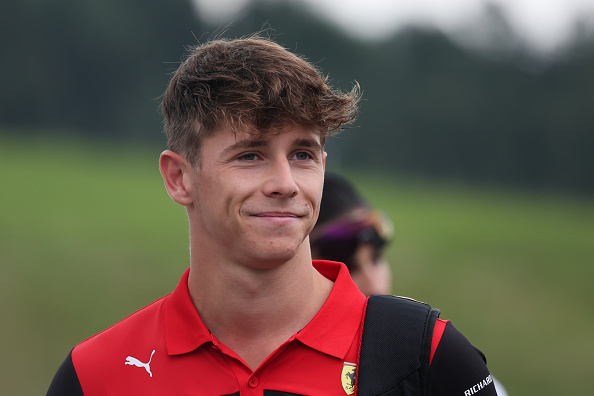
{"x": 331, "y": 331}
{"x": 184, "y": 330}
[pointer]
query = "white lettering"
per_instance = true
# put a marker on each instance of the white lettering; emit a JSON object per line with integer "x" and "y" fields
{"x": 478, "y": 387}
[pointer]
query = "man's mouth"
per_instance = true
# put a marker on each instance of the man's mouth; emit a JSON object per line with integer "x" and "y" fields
{"x": 277, "y": 214}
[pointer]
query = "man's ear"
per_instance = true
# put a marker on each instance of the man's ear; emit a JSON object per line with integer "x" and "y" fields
{"x": 175, "y": 171}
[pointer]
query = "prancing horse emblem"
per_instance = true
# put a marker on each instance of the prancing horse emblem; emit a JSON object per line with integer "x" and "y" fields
{"x": 348, "y": 375}
{"x": 132, "y": 361}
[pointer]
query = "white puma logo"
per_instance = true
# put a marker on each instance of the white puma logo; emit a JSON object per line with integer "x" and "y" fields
{"x": 132, "y": 361}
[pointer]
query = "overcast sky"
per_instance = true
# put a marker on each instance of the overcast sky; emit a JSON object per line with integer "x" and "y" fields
{"x": 545, "y": 24}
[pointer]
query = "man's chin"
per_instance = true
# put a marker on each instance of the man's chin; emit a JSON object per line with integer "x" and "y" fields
{"x": 273, "y": 255}
{"x": 276, "y": 258}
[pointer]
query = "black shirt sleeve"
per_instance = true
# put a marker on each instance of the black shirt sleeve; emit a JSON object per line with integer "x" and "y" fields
{"x": 65, "y": 382}
{"x": 458, "y": 368}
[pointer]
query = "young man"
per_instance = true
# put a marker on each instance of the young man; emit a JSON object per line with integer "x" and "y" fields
{"x": 246, "y": 123}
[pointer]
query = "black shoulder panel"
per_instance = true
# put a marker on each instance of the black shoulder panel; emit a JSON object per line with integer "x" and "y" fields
{"x": 65, "y": 382}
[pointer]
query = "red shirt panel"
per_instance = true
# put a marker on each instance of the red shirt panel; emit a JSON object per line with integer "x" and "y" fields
{"x": 189, "y": 360}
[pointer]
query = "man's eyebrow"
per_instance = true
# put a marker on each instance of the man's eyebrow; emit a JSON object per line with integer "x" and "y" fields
{"x": 260, "y": 142}
{"x": 246, "y": 144}
{"x": 306, "y": 142}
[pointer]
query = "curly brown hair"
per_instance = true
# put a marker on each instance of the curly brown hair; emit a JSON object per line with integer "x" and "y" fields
{"x": 249, "y": 84}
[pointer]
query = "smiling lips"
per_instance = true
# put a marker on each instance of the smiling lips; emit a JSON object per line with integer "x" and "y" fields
{"x": 277, "y": 218}
{"x": 277, "y": 214}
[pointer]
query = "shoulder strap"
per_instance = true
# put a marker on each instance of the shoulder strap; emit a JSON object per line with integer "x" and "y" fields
{"x": 395, "y": 347}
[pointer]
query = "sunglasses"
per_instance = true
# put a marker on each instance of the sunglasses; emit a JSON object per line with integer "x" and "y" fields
{"x": 340, "y": 239}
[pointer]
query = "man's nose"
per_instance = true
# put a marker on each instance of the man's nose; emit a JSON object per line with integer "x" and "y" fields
{"x": 280, "y": 181}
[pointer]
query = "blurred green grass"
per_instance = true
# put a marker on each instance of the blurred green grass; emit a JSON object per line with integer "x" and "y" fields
{"x": 88, "y": 235}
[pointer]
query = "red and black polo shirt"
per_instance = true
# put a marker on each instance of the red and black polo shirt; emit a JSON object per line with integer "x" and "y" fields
{"x": 165, "y": 349}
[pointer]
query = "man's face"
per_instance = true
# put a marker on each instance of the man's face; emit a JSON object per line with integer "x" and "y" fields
{"x": 255, "y": 199}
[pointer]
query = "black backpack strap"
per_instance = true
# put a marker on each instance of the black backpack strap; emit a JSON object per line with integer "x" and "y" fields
{"x": 395, "y": 347}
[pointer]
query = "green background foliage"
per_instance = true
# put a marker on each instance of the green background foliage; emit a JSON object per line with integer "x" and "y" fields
{"x": 88, "y": 235}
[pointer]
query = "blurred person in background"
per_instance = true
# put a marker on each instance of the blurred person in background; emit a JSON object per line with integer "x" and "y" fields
{"x": 351, "y": 232}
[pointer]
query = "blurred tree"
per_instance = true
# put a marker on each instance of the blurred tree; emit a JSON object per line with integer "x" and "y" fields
{"x": 431, "y": 107}
{"x": 91, "y": 66}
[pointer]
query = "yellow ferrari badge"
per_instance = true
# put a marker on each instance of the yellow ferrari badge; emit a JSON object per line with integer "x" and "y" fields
{"x": 348, "y": 377}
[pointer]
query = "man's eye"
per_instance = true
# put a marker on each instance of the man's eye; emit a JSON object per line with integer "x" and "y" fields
{"x": 249, "y": 157}
{"x": 302, "y": 155}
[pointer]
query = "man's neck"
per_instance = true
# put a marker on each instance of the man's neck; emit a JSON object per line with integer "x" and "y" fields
{"x": 254, "y": 311}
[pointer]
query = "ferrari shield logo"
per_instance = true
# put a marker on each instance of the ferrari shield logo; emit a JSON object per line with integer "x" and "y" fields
{"x": 348, "y": 377}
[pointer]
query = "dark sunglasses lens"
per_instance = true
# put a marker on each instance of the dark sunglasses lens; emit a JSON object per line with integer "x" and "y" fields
{"x": 371, "y": 236}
